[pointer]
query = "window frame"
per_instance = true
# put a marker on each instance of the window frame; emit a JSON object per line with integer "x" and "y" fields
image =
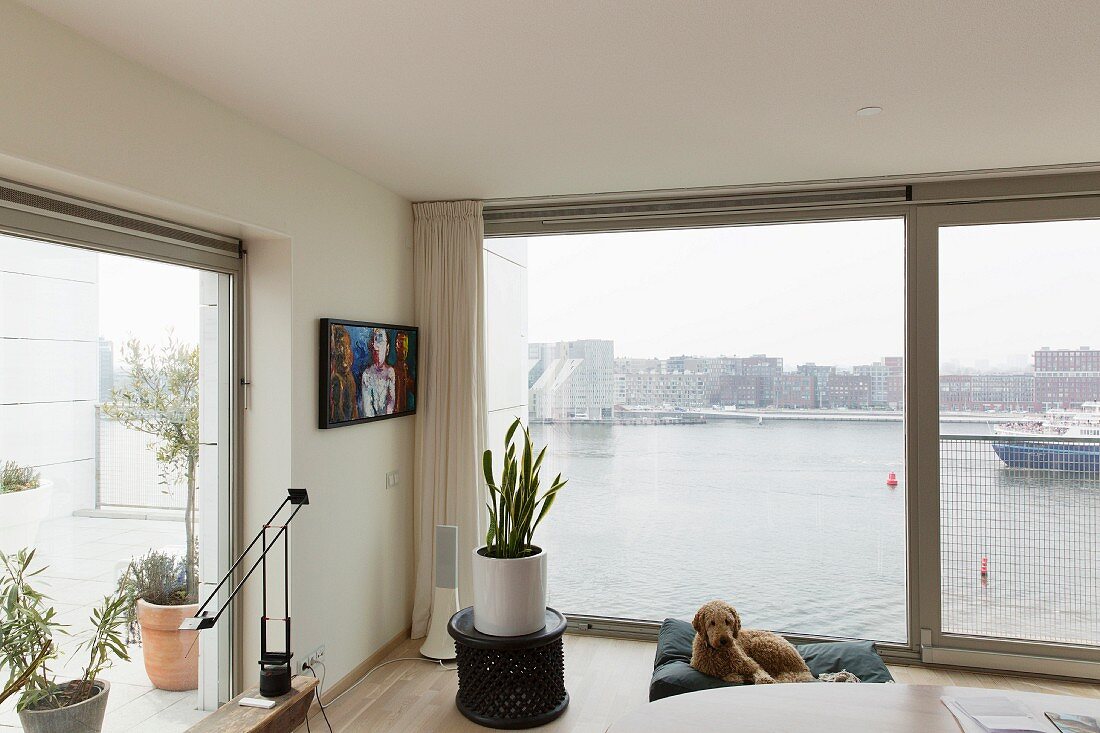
{"x": 647, "y": 629}
{"x": 937, "y": 647}
{"x": 55, "y": 218}
{"x": 932, "y": 202}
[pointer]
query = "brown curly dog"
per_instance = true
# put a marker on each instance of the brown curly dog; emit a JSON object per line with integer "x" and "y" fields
{"x": 723, "y": 649}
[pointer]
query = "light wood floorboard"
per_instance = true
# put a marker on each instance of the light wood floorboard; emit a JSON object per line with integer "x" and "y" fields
{"x": 606, "y": 678}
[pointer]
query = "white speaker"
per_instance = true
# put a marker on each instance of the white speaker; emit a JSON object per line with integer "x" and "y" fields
{"x": 439, "y": 644}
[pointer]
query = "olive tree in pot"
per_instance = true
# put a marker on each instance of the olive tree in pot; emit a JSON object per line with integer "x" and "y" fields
{"x": 27, "y": 647}
{"x": 162, "y": 400}
{"x": 157, "y": 601}
{"x": 509, "y": 571}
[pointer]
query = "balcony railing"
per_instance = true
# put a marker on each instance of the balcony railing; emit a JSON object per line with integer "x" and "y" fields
{"x": 127, "y": 473}
{"x": 1020, "y": 537}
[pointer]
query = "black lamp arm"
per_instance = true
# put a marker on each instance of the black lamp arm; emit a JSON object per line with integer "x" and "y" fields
{"x": 202, "y": 619}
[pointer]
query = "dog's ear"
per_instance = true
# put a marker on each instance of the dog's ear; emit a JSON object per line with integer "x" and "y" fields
{"x": 697, "y": 622}
{"x": 736, "y": 621}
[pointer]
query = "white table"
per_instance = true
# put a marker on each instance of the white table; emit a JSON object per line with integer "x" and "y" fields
{"x": 829, "y": 708}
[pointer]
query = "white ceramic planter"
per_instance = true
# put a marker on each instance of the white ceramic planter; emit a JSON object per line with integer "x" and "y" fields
{"x": 20, "y": 514}
{"x": 509, "y": 595}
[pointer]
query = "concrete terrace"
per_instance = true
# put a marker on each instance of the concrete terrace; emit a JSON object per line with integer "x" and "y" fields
{"x": 84, "y": 556}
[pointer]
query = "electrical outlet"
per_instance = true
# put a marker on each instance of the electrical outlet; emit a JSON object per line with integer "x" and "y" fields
{"x": 393, "y": 478}
{"x": 317, "y": 655}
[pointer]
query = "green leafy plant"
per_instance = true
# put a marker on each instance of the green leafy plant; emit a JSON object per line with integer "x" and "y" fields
{"x": 105, "y": 645}
{"x": 162, "y": 400}
{"x": 157, "y": 578}
{"x": 14, "y": 477}
{"x": 516, "y": 508}
{"x": 27, "y": 646}
{"x": 27, "y": 627}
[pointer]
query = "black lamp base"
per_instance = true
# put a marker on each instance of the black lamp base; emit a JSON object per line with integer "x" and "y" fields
{"x": 274, "y": 680}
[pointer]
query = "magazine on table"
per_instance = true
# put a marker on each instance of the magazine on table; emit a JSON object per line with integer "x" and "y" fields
{"x": 993, "y": 714}
{"x": 1074, "y": 723}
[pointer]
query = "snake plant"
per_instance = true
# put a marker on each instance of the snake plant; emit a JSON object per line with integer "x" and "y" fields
{"x": 515, "y": 504}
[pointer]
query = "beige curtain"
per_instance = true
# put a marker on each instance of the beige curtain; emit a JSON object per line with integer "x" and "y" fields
{"x": 451, "y": 417}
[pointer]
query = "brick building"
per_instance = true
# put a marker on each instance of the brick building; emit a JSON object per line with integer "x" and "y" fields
{"x": 850, "y": 391}
{"x": 821, "y": 375}
{"x": 795, "y": 392}
{"x": 1066, "y": 377}
{"x": 979, "y": 392}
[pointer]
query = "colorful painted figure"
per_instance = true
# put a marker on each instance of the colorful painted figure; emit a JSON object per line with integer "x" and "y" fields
{"x": 377, "y": 384}
{"x": 406, "y": 400}
{"x": 343, "y": 403}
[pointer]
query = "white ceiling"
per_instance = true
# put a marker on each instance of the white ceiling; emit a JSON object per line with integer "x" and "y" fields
{"x": 497, "y": 98}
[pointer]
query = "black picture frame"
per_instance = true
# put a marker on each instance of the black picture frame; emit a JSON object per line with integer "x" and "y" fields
{"x": 347, "y": 361}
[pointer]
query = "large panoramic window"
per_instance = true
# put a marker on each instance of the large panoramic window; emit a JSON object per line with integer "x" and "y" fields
{"x": 1020, "y": 424}
{"x": 727, "y": 405}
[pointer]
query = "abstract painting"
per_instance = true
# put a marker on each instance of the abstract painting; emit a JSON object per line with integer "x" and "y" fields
{"x": 368, "y": 372}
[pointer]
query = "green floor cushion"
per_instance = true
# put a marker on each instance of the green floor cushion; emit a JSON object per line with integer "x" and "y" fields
{"x": 673, "y": 674}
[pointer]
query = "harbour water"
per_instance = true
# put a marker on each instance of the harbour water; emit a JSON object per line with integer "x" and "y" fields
{"x": 793, "y": 523}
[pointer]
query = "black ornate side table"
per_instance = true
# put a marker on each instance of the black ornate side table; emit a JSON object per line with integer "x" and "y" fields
{"x": 510, "y": 681}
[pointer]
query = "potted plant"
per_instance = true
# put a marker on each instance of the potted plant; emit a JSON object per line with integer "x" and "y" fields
{"x": 24, "y": 503}
{"x": 161, "y": 399}
{"x": 27, "y": 629}
{"x": 509, "y": 571}
{"x": 157, "y": 601}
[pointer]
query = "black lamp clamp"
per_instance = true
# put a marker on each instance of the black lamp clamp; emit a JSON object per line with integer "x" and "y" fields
{"x": 275, "y": 671}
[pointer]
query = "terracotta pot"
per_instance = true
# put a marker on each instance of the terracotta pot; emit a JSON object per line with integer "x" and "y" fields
{"x": 171, "y": 655}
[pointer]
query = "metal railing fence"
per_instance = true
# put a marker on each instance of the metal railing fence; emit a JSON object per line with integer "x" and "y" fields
{"x": 1020, "y": 538}
{"x": 127, "y": 474}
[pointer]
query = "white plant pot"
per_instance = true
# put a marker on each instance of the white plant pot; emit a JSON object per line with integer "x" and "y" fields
{"x": 20, "y": 514}
{"x": 509, "y": 595}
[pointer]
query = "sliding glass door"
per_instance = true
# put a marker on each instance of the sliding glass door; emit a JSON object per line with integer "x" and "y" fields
{"x": 116, "y": 442}
{"x": 1017, "y": 558}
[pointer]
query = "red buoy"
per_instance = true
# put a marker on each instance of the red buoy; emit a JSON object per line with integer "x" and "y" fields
{"x": 985, "y": 566}
{"x": 892, "y": 479}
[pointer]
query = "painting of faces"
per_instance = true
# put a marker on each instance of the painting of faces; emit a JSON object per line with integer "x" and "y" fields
{"x": 368, "y": 372}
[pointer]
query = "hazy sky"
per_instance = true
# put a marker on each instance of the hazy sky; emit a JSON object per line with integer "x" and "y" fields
{"x": 142, "y": 299}
{"x": 824, "y": 292}
{"x": 830, "y": 292}
{"x": 1007, "y": 290}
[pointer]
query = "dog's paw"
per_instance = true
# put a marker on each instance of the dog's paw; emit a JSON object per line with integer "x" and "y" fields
{"x": 763, "y": 678}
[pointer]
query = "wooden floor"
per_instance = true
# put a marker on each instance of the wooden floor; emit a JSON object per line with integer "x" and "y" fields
{"x": 605, "y": 677}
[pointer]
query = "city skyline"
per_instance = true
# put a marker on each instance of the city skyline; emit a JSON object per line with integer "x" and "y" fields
{"x": 583, "y": 379}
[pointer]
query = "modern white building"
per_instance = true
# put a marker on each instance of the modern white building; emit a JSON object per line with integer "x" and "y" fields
{"x": 571, "y": 380}
{"x": 49, "y": 365}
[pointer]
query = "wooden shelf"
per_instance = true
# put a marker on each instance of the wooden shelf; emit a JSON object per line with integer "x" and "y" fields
{"x": 289, "y": 712}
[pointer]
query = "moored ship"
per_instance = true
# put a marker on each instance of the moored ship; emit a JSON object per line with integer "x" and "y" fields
{"x": 1066, "y": 440}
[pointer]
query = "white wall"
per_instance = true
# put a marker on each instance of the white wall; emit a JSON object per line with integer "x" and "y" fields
{"x": 323, "y": 241}
{"x": 49, "y": 324}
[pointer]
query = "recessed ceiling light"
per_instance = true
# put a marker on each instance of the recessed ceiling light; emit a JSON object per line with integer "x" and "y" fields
{"x": 868, "y": 111}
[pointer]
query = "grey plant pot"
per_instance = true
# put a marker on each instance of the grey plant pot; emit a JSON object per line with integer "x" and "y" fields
{"x": 84, "y": 717}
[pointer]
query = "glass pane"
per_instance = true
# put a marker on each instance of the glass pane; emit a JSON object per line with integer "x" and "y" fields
{"x": 1020, "y": 431}
{"x": 101, "y": 376}
{"x": 726, "y": 404}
